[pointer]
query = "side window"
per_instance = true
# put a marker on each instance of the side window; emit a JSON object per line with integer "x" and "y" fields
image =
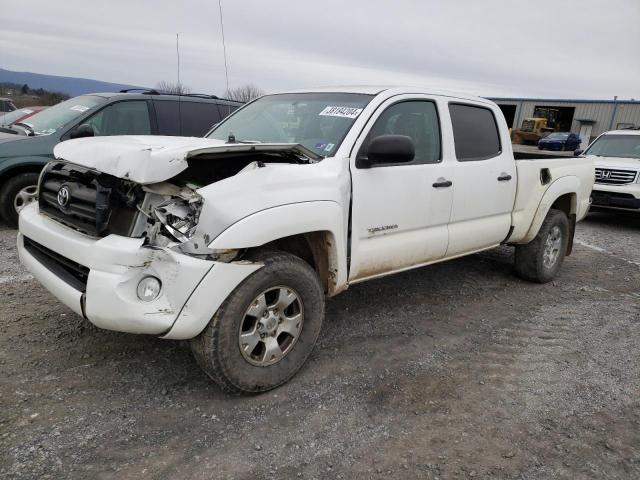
{"x": 198, "y": 117}
{"x": 475, "y": 132}
{"x": 415, "y": 119}
{"x": 122, "y": 118}
{"x": 168, "y": 117}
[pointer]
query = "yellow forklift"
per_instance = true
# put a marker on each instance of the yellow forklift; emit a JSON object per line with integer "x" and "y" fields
{"x": 543, "y": 122}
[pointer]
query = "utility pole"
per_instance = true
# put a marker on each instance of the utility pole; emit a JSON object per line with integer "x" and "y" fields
{"x": 224, "y": 47}
{"x": 613, "y": 114}
{"x": 178, "y": 56}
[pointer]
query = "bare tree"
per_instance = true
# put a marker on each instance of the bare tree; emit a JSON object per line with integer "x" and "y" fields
{"x": 244, "y": 93}
{"x": 173, "y": 88}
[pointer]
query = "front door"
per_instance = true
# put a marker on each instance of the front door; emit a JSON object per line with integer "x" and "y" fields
{"x": 484, "y": 179}
{"x": 400, "y": 212}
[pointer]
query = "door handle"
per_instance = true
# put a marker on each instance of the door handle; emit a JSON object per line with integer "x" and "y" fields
{"x": 443, "y": 184}
{"x": 504, "y": 177}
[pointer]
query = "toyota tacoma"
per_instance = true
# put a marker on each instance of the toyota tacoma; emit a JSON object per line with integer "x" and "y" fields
{"x": 233, "y": 241}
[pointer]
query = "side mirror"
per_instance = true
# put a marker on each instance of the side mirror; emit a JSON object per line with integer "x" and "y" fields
{"x": 388, "y": 149}
{"x": 81, "y": 131}
{"x": 577, "y": 153}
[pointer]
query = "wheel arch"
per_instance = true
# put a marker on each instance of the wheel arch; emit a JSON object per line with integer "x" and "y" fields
{"x": 22, "y": 166}
{"x": 561, "y": 195}
{"x": 312, "y": 231}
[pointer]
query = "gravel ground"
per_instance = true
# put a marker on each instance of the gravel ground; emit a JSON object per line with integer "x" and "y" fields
{"x": 457, "y": 370}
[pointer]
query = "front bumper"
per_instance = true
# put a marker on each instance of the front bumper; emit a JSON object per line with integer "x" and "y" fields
{"x": 192, "y": 289}
{"x": 620, "y": 197}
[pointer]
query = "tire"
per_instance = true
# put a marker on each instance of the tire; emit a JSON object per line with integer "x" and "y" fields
{"x": 13, "y": 193}
{"x": 530, "y": 260}
{"x": 218, "y": 348}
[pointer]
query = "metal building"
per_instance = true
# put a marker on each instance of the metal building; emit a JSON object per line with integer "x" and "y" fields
{"x": 588, "y": 118}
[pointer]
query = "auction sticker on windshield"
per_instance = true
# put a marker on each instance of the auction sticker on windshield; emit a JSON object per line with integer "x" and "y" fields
{"x": 346, "y": 112}
{"x": 79, "y": 108}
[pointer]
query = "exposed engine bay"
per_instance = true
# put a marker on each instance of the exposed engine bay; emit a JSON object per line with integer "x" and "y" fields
{"x": 170, "y": 211}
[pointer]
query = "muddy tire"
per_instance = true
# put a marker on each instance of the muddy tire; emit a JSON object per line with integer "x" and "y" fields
{"x": 541, "y": 259}
{"x": 16, "y": 193}
{"x": 266, "y": 329}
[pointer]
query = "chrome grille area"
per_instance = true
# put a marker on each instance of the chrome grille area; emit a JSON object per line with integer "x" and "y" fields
{"x": 610, "y": 176}
{"x": 89, "y": 201}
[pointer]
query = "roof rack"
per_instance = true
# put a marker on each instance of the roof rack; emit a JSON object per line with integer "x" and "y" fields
{"x": 150, "y": 91}
{"x": 153, "y": 91}
{"x": 200, "y": 95}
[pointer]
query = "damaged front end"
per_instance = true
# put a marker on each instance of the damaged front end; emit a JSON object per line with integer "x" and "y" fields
{"x": 150, "y": 191}
{"x": 171, "y": 216}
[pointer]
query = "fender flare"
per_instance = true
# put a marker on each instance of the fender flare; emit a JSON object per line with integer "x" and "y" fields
{"x": 19, "y": 163}
{"x": 560, "y": 187}
{"x": 282, "y": 221}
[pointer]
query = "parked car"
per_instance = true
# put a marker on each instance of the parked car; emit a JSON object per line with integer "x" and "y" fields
{"x": 18, "y": 115}
{"x": 616, "y": 156}
{"x": 6, "y": 105}
{"x": 101, "y": 114}
{"x": 559, "y": 141}
{"x": 232, "y": 241}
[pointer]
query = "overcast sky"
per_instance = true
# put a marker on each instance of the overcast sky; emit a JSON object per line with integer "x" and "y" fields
{"x": 561, "y": 48}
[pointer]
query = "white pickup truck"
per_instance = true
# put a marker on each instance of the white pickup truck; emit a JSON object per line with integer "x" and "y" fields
{"x": 234, "y": 240}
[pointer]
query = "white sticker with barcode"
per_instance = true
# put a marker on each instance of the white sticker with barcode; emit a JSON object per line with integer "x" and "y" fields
{"x": 345, "y": 112}
{"x": 80, "y": 108}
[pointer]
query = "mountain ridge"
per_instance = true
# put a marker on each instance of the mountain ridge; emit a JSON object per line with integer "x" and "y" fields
{"x": 72, "y": 86}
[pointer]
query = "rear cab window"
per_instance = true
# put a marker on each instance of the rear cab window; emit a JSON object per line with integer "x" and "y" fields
{"x": 475, "y": 132}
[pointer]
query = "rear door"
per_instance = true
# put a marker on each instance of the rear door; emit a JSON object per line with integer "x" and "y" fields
{"x": 484, "y": 178}
{"x": 197, "y": 118}
{"x": 167, "y": 116}
{"x": 399, "y": 213}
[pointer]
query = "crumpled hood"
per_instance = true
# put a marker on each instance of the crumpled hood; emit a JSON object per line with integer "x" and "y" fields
{"x": 152, "y": 159}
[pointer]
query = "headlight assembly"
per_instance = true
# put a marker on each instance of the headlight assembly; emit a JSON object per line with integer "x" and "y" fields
{"x": 178, "y": 217}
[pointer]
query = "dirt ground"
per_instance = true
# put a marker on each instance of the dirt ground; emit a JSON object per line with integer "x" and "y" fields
{"x": 458, "y": 370}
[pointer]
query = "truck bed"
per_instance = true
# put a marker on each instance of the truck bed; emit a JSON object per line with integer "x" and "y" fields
{"x": 538, "y": 176}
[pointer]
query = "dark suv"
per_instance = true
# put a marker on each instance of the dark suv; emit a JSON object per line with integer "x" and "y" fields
{"x": 23, "y": 155}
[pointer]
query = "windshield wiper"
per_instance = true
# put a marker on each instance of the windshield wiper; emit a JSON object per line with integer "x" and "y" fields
{"x": 27, "y": 127}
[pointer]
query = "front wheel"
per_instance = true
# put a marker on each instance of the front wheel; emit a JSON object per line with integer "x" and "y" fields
{"x": 16, "y": 193}
{"x": 540, "y": 260}
{"x": 266, "y": 329}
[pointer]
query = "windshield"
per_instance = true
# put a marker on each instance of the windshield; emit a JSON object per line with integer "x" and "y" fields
{"x": 318, "y": 121}
{"x": 624, "y": 146}
{"x": 560, "y": 136}
{"x": 51, "y": 119}
{"x": 7, "y": 119}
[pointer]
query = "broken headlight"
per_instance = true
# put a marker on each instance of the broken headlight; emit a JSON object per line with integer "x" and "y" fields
{"x": 178, "y": 217}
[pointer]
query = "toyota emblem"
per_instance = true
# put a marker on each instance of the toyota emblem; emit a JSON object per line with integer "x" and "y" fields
{"x": 63, "y": 196}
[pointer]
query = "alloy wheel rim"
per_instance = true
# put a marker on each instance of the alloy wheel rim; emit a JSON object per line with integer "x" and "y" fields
{"x": 552, "y": 246}
{"x": 24, "y": 197}
{"x": 271, "y": 326}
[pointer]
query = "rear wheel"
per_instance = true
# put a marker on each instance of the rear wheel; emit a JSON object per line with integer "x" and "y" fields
{"x": 540, "y": 259}
{"x": 16, "y": 193}
{"x": 266, "y": 329}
